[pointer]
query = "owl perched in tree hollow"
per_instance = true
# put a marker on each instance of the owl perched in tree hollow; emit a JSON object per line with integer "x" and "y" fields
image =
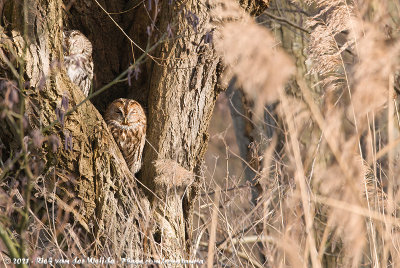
{"x": 78, "y": 59}
{"x": 127, "y": 122}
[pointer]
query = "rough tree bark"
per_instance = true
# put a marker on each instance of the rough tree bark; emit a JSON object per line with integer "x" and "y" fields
{"x": 93, "y": 171}
{"x": 182, "y": 96}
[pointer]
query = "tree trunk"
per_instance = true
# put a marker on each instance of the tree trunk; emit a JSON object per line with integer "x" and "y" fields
{"x": 87, "y": 177}
{"x": 182, "y": 97}
{"x": 92, "y": 171}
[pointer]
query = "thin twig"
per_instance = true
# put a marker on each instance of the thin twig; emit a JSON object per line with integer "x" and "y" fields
{"x": 213, "y": 231}
{"x": 294, "y": 25}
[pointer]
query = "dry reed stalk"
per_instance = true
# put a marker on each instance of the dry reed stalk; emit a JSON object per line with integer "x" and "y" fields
{"x": 304, "y": 192}
{"x": 213, "y": 229}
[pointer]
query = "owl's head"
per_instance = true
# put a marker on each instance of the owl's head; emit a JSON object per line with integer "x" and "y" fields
{"x": 76, "y": 43}
{"x": 125, "y": 113}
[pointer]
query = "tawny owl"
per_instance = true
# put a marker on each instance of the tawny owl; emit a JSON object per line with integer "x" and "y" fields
{"x": 127, "y": 122}
{"x": 78, "y": 59}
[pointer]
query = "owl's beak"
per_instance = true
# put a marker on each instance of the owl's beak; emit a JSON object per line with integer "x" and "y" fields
{"x": 125, "y": 121}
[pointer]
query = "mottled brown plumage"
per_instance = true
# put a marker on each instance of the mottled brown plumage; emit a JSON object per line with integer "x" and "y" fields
{"x": 78, "y": 59}
{"x": 127, "y": 122}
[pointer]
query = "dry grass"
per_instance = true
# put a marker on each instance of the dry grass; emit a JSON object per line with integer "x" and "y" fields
{"x": 338, "y": 208}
